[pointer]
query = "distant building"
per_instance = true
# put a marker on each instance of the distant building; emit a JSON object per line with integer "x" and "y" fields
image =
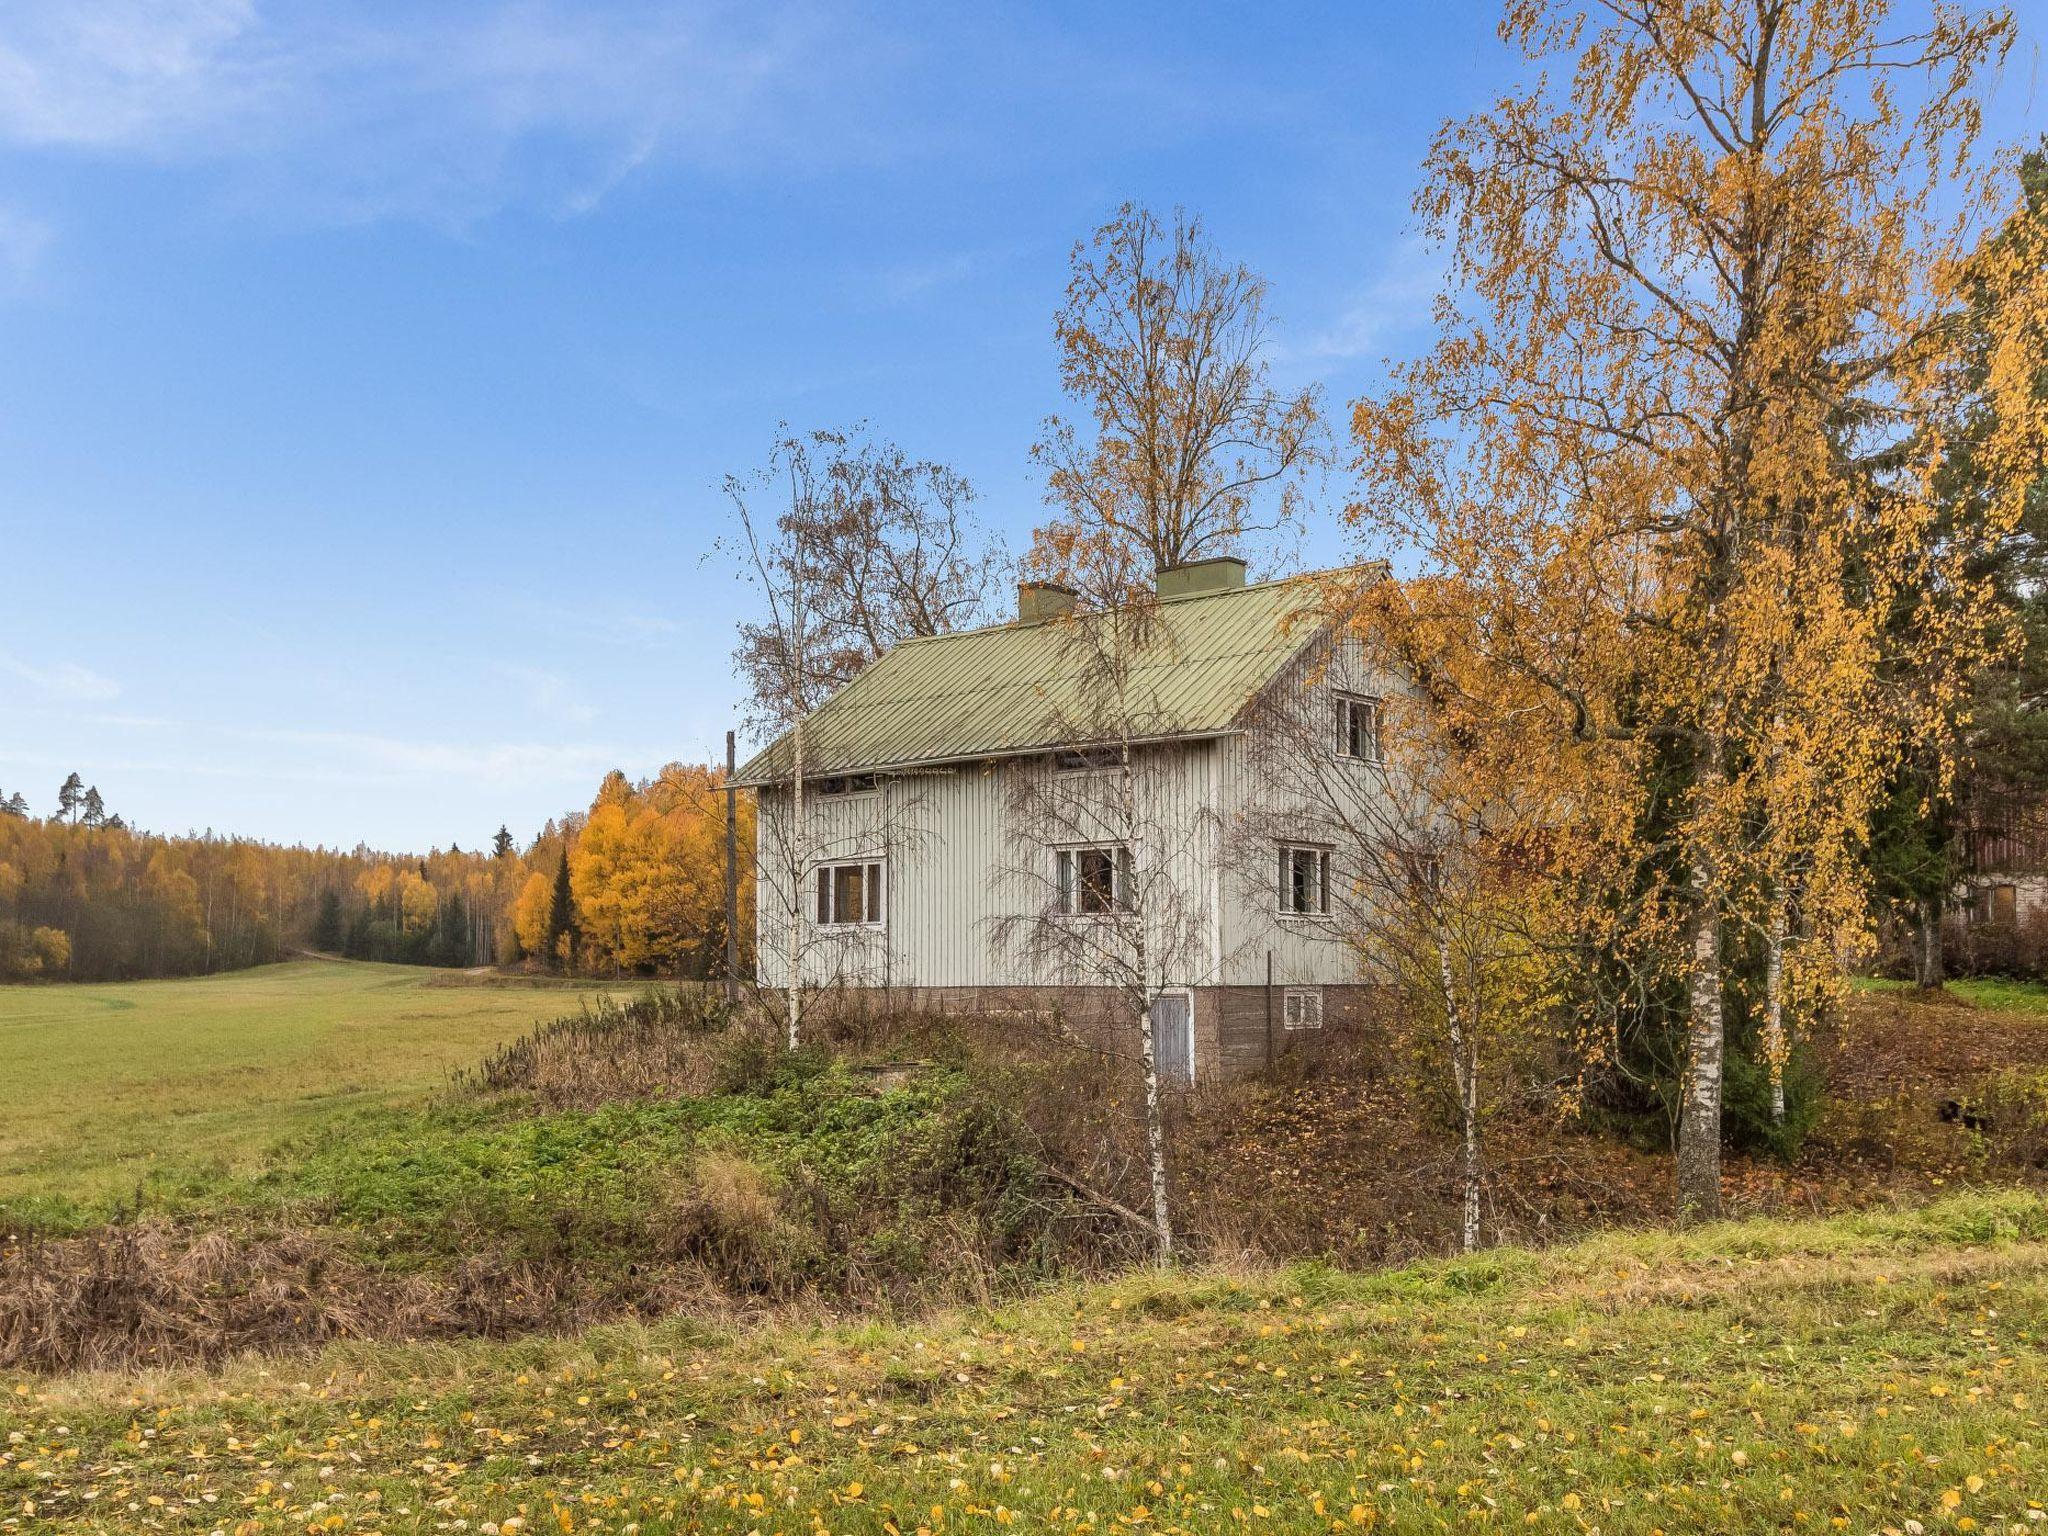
{"x": 962, "y": 827}
{"x": 1999, "y": 918}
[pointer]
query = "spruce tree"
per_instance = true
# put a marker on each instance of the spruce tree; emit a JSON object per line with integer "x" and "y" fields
{"x": 327, "y": 926}
{"x": 561, "y": 931}
{"x": 501, "y": 844}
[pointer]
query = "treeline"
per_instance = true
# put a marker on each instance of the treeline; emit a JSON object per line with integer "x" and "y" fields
{"x": 633, "y": 886}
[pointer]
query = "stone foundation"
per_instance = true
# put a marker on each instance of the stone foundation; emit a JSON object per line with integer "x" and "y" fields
{"x": 1238, "y": 1031}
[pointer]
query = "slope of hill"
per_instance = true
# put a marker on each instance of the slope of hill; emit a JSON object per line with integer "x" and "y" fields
{"x": 105, "y": 1081}
{"x": 1862, "y": 1373}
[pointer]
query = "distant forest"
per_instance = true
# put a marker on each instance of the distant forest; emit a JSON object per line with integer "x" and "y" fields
{"x": 632, "y": 886}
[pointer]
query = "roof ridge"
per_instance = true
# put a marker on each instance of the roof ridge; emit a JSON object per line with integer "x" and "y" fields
{"x": 1177, "y": 599}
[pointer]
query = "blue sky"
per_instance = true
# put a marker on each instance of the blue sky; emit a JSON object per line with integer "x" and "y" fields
{"x": 367, "y": 371}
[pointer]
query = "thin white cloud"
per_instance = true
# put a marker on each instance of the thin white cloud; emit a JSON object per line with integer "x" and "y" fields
{"x": 905, "y": 281}
{"x": 353, "y": 111}
{"x": 494, "y": 763}
{"x": 106, "y": 73}
{"x": 64, "y": 680}
{"x": 549, "y": 694}
{"x": 1397, "y": 299}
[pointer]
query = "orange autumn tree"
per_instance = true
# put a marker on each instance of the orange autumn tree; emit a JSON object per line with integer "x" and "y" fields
{"x": 647, "y": 869}
{"x": 1673, "y": 453}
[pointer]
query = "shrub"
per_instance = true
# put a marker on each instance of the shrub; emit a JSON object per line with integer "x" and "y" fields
{"x": 1746, "y": 1101}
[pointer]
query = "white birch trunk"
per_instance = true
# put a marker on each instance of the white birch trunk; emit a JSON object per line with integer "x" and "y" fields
{"x": 1465, "y": 1072}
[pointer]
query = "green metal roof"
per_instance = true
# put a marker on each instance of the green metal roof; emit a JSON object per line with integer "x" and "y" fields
{"x": 1015, "y": 688}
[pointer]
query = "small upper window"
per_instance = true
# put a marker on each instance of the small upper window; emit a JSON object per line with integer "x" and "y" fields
{"x": 1358, "y": 727}
{"x": 1093, "y": 881}
{"x": 849, "y": 784}
{"x": 1305, "y": 882}
{"x": 1084, "y": 759}
{"x": 1302, "y": 1008}
{"x": 850, "y": 894}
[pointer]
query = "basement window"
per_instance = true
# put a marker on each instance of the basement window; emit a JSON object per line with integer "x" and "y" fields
{"x": 1302, "y": 1008}
{"x": 1358, "y": 727}
{"x": 1994, "y": 905}
{"x": 849, "y": 895}
{"x": 1093, "y": 882}
{"x": 1304, "y": 882}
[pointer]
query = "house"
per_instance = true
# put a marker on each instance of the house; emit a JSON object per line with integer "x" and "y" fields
{"x": 1998, "y": 914}
{"x": 1047, "y": 817}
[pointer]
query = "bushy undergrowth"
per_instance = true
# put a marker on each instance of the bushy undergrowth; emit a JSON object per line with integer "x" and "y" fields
{"x": 491, "y": 1212}
{"x": 637, "y": 1159}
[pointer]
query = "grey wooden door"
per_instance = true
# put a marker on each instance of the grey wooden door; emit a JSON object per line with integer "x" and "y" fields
{"x": 1173, "y": 1039}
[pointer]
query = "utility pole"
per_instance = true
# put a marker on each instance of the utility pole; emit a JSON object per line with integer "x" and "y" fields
{"x": 732, "y": 879}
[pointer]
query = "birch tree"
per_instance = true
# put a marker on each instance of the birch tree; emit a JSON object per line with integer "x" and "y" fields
{"x": 1415, "y": 837}
{"x": 1185, "y": 448}
{"x": 1105, "y": 890}
{"x": 851, "y": 546}
{"x": 1677, "y": 441}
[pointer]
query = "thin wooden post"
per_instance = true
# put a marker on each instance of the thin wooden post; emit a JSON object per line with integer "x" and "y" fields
{"x": 1269, "y": 1010}
{"x": 732, "y": 879}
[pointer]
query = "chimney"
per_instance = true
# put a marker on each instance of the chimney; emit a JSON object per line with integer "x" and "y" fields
{"x": 1038, "y": 601}
{"x": 1219, "y": 573}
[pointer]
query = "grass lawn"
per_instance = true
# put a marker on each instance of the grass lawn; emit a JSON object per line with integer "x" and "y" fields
{"x": 2002, "y": 993}
{"x": 101, "y": 1085}
{"x": 1861, "y": 1373}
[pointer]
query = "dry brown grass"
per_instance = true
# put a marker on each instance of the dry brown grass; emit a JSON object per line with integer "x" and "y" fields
{"x": 154, "y": 1293}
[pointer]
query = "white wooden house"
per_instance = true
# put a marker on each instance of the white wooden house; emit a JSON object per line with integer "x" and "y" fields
{"x": 1038, "y": 815}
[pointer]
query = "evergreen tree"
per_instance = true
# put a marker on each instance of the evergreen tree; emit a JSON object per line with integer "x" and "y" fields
{"x": 451, "y": 933}
{"x": 14, "y": 805}
{"x": 560, "y": 948}
{"x": 502, "y": 845}
{"x": 92, "y": 810}
{"x": 70, "y": 795}
{"x": 328, "y": 933}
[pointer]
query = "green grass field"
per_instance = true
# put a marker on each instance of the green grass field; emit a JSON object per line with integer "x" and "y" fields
{"x": 102, "y": 1085}
{"x": 2002, "y": 993}
{"x": 1858, "y": 1374}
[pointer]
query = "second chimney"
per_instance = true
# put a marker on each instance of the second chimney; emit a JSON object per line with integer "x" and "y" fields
{"x": 1038, "y": 601}
{"x": 1218, "y": 573}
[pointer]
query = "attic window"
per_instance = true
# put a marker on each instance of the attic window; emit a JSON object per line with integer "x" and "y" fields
{"x": 1358, "y": 727}
{"x": 849, "y": 784}
{"x": 1093, "y": 882}
{"x": 1085, "y": 759}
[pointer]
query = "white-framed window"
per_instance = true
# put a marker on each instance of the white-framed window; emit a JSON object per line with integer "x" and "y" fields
{"x": 1304, "y": 881}
{"x": 849, "y": 895}
{"x": 849, "y": 784}
{"x": 1302, "y": 1008}
{"x": 1358, "y": 727}
{"x": 1092, "y": 882}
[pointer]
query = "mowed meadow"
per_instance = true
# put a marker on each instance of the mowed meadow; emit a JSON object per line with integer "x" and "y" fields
{"x": 1876, "y": 1373}
{"x": 103, "y": 1084}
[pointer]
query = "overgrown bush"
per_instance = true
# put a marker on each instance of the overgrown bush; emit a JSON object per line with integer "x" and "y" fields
{"x": 1746, "y": 1122}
